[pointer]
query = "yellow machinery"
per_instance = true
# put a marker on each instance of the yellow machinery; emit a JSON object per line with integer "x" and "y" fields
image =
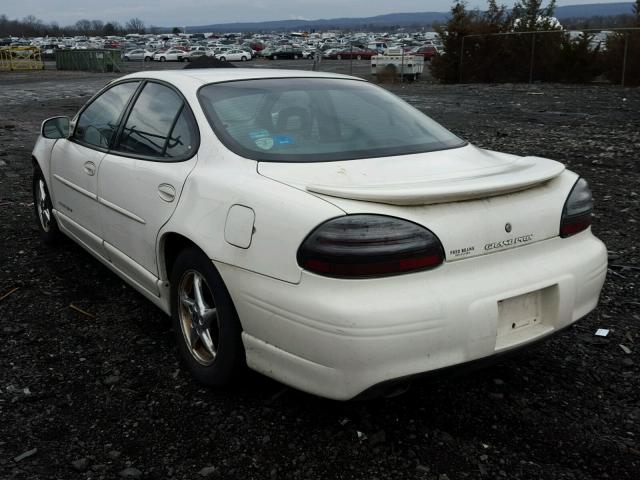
{"x": 21, "y": 58}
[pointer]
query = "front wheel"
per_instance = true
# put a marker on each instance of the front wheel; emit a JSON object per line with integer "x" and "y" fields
{"x": 147, "y": 59}
{"x": 162, "y": 59}
{"x": 359, "y": 57}
{"x": 275, "y": 57}
{"x": 47, "y": 224}
{"x": 295, "y": 57}
{"x": 223, "y": 59}
{"x": 204, "y": 320}
{"x": 244, "y": 59}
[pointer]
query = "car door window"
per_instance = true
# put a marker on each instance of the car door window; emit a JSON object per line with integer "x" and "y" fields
{"x": 159, "y": 125}
{"x": 98, "y": 123}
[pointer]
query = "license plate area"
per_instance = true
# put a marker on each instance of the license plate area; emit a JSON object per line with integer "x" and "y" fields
{"x": 524, "y": 317}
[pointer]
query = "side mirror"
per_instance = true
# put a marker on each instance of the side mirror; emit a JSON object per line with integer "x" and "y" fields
{"x": 56, "y": 127}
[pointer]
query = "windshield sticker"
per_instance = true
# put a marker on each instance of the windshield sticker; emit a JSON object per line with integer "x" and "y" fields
{"x": 256, "y": 134}
{"x": 283, "y": 140}
{"x": 265, "y": 143}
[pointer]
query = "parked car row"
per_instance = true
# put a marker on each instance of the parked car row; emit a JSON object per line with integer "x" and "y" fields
{"x": 180, "y": 55}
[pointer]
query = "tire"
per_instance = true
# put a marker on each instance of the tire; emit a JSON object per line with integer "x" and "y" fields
{"x": 244, "y": 59}
{"x": 147, "y": 59}
{"x": 221, "y": 362}
{"x": 47, "y": 225}
{"x": 339, "y": 57}
{"x": 359, "y": 57}
{"x": 162, "y": 59}
{"x": 223, "y": 59}
{"x": 274, "y": 57}
{"x": 126, "y": 59}
{"x": 295, "y": 57}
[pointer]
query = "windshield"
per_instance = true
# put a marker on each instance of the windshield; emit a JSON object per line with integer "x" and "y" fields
{"x": 317, "y": 119}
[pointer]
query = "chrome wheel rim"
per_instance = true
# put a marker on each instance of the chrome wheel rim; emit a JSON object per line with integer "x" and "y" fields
{"x": 44, "y": 212}
{"x": 198, "y": 317}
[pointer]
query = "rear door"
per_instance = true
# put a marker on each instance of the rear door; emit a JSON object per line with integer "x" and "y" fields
{"x": 75, "y": 162}
{"x": 141, "y": 179}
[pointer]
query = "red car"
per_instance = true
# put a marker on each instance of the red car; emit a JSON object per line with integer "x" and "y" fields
{"x": 356, "y": 54}
{"x": 427, "y": 51}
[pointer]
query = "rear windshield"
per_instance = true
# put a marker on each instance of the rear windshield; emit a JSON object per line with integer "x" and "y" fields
{"x": 317, "y": 119}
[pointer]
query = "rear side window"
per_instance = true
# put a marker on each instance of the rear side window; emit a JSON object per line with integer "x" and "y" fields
{"x": 159, "y": 125}
{"x": 98, "y": 123}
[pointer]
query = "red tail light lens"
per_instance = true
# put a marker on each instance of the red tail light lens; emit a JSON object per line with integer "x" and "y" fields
{"x": 369, "y": 246}
{"x": 576, "y": 214}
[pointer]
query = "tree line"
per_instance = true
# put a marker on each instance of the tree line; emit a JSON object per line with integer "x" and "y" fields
{"x": 30, "y": 26}
{"x": 497, "y": 45}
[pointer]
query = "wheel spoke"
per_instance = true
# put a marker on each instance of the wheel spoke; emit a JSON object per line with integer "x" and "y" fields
{"x": 210, "y": 317}
{"x": 208, "y": 342}
{"x": 197, "y": 292}
{"x": 43, "y": 193}
{"x": 187, "y": 302}
{"x": 193, "y": 336}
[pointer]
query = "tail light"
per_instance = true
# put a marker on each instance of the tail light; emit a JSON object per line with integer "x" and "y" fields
{"x": 368, "y": 246}
{"x": 576, "y": 214}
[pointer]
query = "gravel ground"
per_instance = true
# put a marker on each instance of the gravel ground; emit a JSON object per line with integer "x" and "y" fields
{"x": 90, "y": 386}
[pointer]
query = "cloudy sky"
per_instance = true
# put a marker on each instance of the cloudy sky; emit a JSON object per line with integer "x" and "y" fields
{"x": 203, "y": 12}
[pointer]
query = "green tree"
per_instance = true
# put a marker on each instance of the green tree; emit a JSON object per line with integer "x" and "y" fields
{"x": 530, "y": 15}
{"x": 446, "y": 67}
{"x": 176, "y": 31}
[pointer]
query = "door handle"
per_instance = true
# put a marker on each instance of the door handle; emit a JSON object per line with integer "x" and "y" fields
{"x": 166, "y": 192}
{"x": 89, "y": 168}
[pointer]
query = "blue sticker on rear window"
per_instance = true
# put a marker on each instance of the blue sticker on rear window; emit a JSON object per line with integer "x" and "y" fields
{"x": 282, "y": 140}
{"x": 256, "y": 134}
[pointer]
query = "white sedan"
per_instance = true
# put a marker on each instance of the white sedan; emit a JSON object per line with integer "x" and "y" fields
{"x": 315, "y": 227}
{"x": 170, "y": 55}
{"x": 138, "y": 54}
{"x": 234, "y": 55}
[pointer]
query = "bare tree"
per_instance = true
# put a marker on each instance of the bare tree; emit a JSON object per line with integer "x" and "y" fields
{"x": 83, "y": 27}
{"x": 135, "y": 25}
{"x": 97, "y": 26}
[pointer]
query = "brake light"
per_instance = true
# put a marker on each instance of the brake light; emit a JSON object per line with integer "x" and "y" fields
{"x": 369, "y": 246}
{"x": 576, "y": 214}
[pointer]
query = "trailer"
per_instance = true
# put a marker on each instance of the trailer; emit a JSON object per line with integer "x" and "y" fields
{"x": 397, "y": 64}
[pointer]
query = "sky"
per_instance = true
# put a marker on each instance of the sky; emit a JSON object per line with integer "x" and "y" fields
{"x": 169, "y": 13}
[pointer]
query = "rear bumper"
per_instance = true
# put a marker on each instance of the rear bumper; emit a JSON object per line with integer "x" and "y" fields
{"x": 337, "y": 338}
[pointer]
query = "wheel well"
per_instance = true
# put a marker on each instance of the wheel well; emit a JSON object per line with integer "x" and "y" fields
{"x": 170, "y": 247}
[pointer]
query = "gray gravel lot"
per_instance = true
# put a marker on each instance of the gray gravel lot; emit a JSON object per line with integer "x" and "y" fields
{"x": 90, "y": 386}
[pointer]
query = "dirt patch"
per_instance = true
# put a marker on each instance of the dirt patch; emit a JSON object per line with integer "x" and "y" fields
{"x": 102, "y": 394}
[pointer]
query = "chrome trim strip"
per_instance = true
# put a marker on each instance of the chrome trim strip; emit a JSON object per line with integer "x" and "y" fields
{"x": 121, "y": 210}
{"x": 75, "y": 187}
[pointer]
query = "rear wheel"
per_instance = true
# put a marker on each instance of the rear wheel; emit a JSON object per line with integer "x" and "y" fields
{"x": 48, "y": 226}
{"x": 359, "y": 57}
{"x": 223, "y": 59}
{"x": 275, "y": 57}
{"x": 339, "y": 57}
{"x": 244, "y": 59}
{"x": 163, "y": 59}
{"x": 204, "y": 319}
{"x": 295, "y": 57}
{"x": 147, "y": 59}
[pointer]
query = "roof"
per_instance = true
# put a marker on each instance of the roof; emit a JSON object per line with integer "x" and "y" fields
{"x": 213, "y": 75}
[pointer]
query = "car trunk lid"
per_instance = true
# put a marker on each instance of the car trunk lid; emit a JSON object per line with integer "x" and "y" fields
{"x": 475, "y": 201}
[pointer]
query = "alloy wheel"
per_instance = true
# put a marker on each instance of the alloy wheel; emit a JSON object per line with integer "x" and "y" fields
{"x": 198, "y": 317}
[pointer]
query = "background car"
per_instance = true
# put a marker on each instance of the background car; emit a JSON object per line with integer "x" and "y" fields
{"x": 170, "y": 55}
{"x": 234, "y": 55}
{"x": 138, "y": 54}
{"x": 284, "y": 53}
{"x": 426, "y": 51}
{"x": 354, "y": 53}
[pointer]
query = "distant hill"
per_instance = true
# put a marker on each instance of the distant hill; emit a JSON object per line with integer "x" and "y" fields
{"x": 424, "y": 19}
